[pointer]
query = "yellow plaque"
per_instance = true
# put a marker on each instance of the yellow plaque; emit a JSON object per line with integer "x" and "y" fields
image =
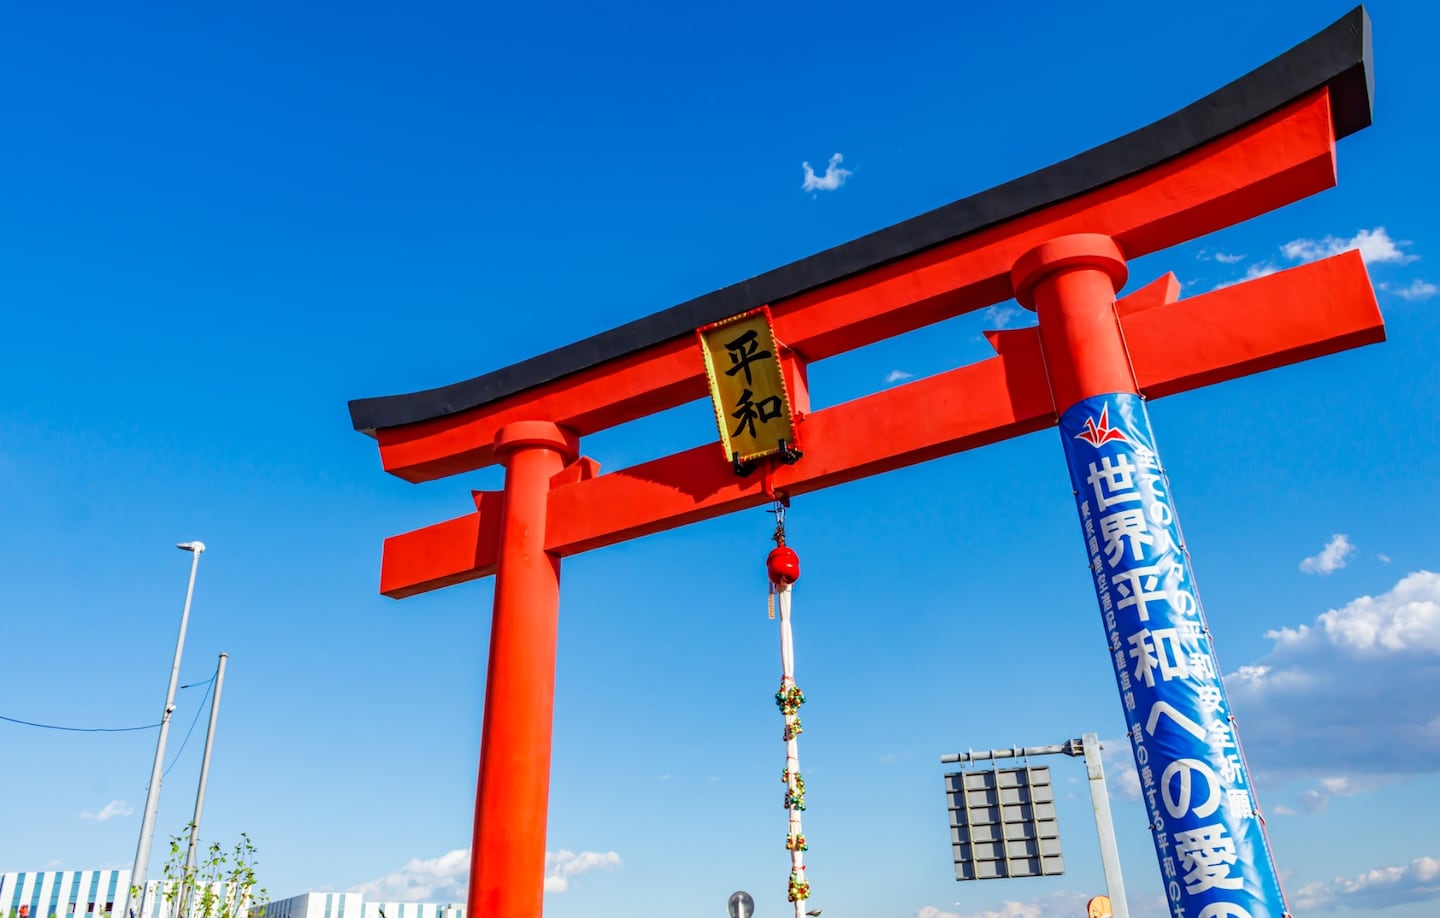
{"x": 747, "y": 386}
{"x": 1098, "y": 907}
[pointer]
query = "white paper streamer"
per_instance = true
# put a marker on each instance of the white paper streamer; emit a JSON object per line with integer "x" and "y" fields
{"x": 794, "y": 782}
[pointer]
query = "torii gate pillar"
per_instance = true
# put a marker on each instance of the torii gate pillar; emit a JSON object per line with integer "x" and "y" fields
{"x": 1070, "y": 283}
{"x": 507, "y": 857}
{"x": 1203, "y": 813}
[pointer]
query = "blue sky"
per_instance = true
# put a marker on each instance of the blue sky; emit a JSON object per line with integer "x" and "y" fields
{"x": 219, "y": 224}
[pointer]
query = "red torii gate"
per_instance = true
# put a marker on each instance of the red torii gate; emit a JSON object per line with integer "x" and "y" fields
{"x": 1057, "y": 238}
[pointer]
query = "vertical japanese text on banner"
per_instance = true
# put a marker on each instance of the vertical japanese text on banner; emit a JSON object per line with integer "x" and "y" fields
{"x": 1208, "y": 838}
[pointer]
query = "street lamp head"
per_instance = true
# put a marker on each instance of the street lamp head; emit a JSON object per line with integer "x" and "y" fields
{"x": 196, "y": 547}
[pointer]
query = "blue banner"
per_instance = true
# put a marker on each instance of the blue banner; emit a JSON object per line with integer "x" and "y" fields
{"x": 1214, "y": 857}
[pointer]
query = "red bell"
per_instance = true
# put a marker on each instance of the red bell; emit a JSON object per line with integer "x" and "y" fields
{"x": 783, "y": 565}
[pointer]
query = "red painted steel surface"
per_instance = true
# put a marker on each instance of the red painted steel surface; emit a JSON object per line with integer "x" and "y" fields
{"x": 1279, "y": 159}
{"x": 1174, "y": 346}
{"x": 556, "y": 504}
{"x": 1071, "y": 283}
{"x": 507, "y": 857}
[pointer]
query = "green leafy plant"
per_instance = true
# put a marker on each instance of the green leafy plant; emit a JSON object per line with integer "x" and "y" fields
{"x": 221, "y": 885}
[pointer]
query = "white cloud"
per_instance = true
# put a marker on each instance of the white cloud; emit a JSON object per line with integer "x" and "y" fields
{"x": 1383, "y": 558}
{"x": 1259, "y": 269}
{"x": 1118, "y": 760}
{"x": 1415, "y": 290}
{"x": 1003, "y": 314}
{"x": 1060, "y": 903}
{"x": 110, "y": 811}
{"x": 895, "y": 376}
{"x": 1405, "y": 619}
{"x": 1332, "y": 556}
{"x": 1314, "y": 799}
{"x": 1360, "y": 682}
{"x": 1224, "y": 258}
{"x": 561, "y": 865}
{"x": 1417, "y": 881}
{"x": 445, "y": 878}
{"x": 833, "y": 178}
{"x": 439, "y": 879}
{"x": 1376, "y": 247}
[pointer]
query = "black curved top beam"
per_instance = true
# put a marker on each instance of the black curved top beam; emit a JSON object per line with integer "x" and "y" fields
{"x": 1339, "y": 57}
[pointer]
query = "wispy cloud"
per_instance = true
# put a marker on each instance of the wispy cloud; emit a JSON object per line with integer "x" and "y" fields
{"x": 561, "y": 865}
{"x": 1375, "y": 245}
{"x": 1119, "y": 762}
{"x": 1417, "y": 881}
{"x": 110, "y": 811}
{"x": 1059, "y": 903}
{"x": 895, "y": 376}
{"x": 438, "y": 879}
{"x": 833, "y": 178}
{"x": 1224, "y": 258}
{"x": 1259, "y": 269}
{"x": 1315, "y": 799}
{"x": 445, "y": 878}
{"x": 1415, "y": 290}
{"x": 1332, "y": 556}
{"x": 1003, "y": 314}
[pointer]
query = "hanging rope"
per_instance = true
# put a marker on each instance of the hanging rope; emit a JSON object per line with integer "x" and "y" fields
{"x": 783, "y": 567}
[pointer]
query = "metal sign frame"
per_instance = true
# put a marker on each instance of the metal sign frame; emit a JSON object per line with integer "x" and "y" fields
{"x": 1016, "y": 807}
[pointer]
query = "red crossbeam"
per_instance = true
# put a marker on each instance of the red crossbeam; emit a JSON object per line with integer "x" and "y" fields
{"x": 1305, "y": 312}
{"x": 1279, "y": 159}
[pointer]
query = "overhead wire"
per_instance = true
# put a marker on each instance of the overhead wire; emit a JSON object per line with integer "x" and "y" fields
{"x": 31, "y": 723}
{"x": 209, "y": 684}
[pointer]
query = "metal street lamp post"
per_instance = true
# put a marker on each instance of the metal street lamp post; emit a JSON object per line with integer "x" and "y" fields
{"x": 152, "y": 795}
{"x": 186, "y": 890}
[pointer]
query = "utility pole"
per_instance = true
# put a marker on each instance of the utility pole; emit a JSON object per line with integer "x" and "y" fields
{"x": 152, "y": 795}
{"x": 187, "y": 890}
{"x": 1104, "y": 825}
